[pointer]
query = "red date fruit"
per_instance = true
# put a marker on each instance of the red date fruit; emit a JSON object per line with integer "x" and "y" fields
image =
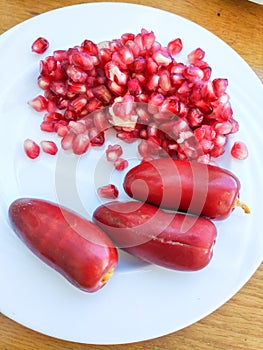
{"x": 70, "y": 244}
{"x": 192, "y": 187}
{"x": 172, "y": 240}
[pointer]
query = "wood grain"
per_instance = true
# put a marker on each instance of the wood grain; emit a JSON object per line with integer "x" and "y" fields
{"x": 237, "y": 324}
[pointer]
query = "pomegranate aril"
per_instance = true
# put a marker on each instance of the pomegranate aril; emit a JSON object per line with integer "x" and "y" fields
{"x": 61, "y": 130}
{"x": 153, "y": 82}
{"x": 100, "y": 121}
{"x": 49, "y": 147}
{"x": 31, "y": 148}
{"x": 126, "y": 37}
{"x": 121, "y": 164}
{"x": 58, "y": 87}
{"x": 77, "y": 127}
{"x": 164, "y": 81}
{"x": 193, "y": 73}
{"x": 39, "y": 103}
{"x": 220, "y": 86}
{"x": 76, "y": 74}
{"x": 223, "y": 128}
{"x": 138, "y": 65}
{"x": 196, "y": 55}
{"x": 78, "y": 103}
{"x": 90, "y": 47}
{"x": 134, "y": 87}
{"x": 114, "y": 74}
{"x": 47, "y": 126}
{"x": 96, "y": 138}
{"x": 102, "y": 93}
{"x": 80, "y": 143}
{"x": 108, "y": 191}
{"x": 175, "y": 46}
{"x": 67, "y": 141}
{"x": 239, "y": 150}
{"x": 195, "y": 117}
{"x": 76, "y": 88}
{"x": 43, "y": 82}
{"x": 116, "y": 89}
{"x": 60, "y": 55}
{"x": 113, "y": 152}
{"x": 82, "y": 60}
{"x": 40, "y": 45}
{"x": 162, "y": 57}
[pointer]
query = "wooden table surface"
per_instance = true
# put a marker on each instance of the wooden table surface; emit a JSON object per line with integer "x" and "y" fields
{"x": 238, "y": 323}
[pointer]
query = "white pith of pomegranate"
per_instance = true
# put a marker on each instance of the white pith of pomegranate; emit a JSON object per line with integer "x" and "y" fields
{"x": 136, "y": 86}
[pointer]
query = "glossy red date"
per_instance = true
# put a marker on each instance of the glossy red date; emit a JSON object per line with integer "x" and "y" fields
{"x": 191, "y": 187}
{"x": 70, "y": 244}
{"x": 172, "y": 240}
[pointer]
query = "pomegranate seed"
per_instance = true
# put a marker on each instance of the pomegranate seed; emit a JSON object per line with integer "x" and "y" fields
{"x": 77, "y": 127}
{"x": 220, "y": 86}
{"x": 43, "y": 82}
{"x": 108, "y": 191}
{"x": 40, "y": 45}
{"x": 138, "y": 65}
{"x": 67, "y": 141}
{"x": 96, "y": 139}
{"x": 39, "y": 103}
{"x": 175, "y": 46}
{"x": 31, "y": 148}
{"x": 76, "y": 88}
{"x": 80, "y": 143}
{"x": 100, "y": 121}
{"x": 162, "y": 57}
{"x": 47, "y": 126}
{"x": 78, "y": 103}
{"x": 120, "y": 164}
{"x": 223, "y": 128}
{"x": 195, "y": 117}
{"x": 82, "y": 60}
{"x": 126, "y": 37}
{"x": 115, "y": 88}
{"x": 196, "y": 55}
{"x": 60, "y": 55}
{"x": 58, "y": 87}
{"x": 113, "y": 152}
{"x": 134, "y": 87}
{"x": 114, "y": 74}
{"x": 49, "y": 147}
{"x": 164, "y": 81}
{"x": 102, "y": 93}
{"x": 76, "y": 74}
{"x": 62, "y": 130}
{"x": 239, "y": 150}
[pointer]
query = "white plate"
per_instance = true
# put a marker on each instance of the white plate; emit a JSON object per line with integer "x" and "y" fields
{"x": 141, "y": 301}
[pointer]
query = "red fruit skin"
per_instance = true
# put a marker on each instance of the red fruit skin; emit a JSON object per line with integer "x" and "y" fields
{"x": 70, "y": 244}
{"x": 192, "y": 187}
{"x": 172, "y": 240}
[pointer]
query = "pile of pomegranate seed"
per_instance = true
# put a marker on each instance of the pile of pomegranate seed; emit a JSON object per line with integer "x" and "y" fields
{"x": 136, "y": 86}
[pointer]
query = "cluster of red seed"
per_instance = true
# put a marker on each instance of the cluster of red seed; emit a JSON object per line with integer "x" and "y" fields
{"x": 135, "y": 85}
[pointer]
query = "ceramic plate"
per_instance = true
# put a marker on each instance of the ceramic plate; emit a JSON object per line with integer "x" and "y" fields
{"x": 141, "y": 301}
